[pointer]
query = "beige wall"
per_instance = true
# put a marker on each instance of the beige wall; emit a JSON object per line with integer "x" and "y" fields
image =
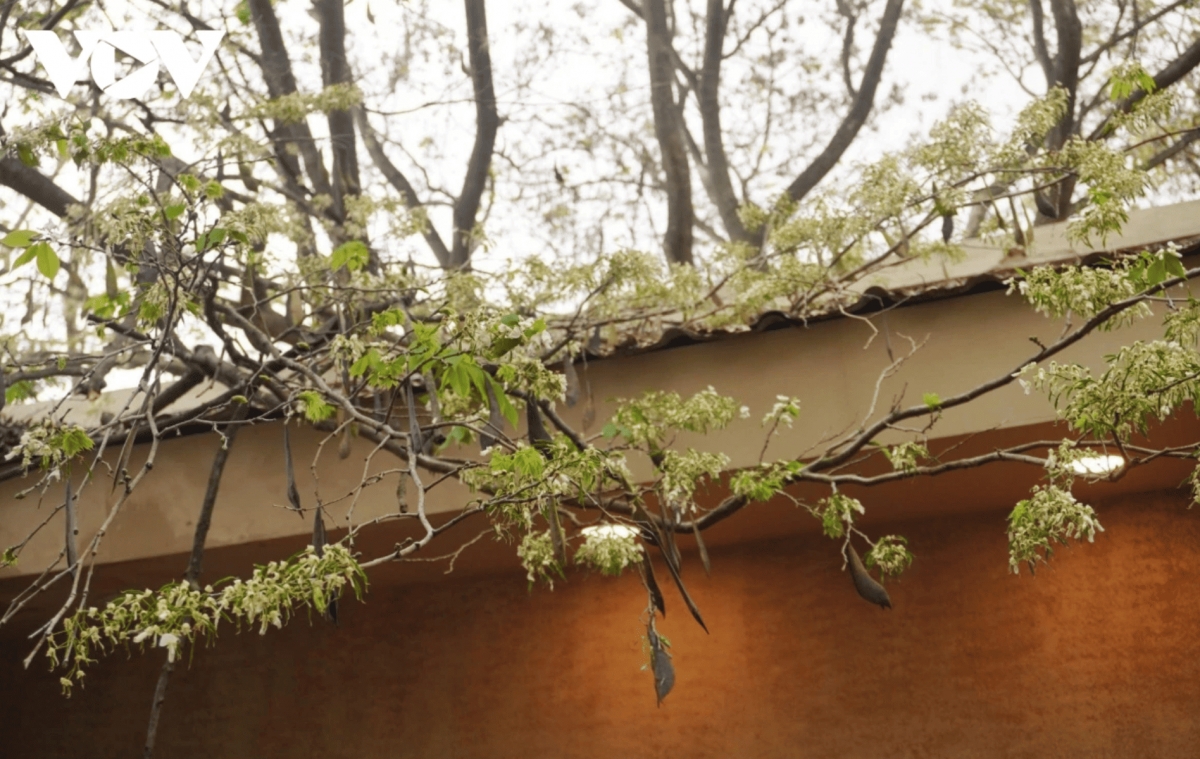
{"x": 830, "y": 366}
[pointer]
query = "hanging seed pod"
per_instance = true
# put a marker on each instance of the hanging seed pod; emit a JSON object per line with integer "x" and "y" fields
{"x": 111, "y": 289}
{"x": 121, "y": 470}
{"x": 72, "y": 529}
{"x": 402, "y": 495}
{"x": 495, "y": 424}
{"x": 538, "y": 436}
{"x": 660, "y": 664}
{"x": 702, "y": 548}
{"x": 319, "y": 542}
{"x": 651, "y": 583}
{"x": 293, "y": 495}
{"x": 344, "y": 442}
{"x": 556, "y": 536}
{"x": 415, "y": 441}
{"x": 572, "y": 395}
{"x": 866, "y": 585}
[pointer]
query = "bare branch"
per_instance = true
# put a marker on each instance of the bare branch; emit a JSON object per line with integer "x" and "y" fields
{"x": 859, "y": 110}
{"x": 677, "y": 242}
{"x": 487, "y": 122}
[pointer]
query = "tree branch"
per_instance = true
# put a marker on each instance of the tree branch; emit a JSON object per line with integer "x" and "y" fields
{"x": 192, "y": 575}
{"x": 277, "y": 71}
{"x": 1040, "y": 50}
{"x": 487, "y": 122}
{"x": 35, "y": 185}
{"x": 720, "y": 186}
{"x": 677, "y": 242}
{"x": 401, "y": 184}
{"x": 335, "y": 70}
{"x": 859, "y": 110}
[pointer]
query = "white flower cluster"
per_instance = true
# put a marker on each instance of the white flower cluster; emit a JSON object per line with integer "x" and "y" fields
{"x": 610, "y": 551}
{"x": 682, "y": 472}
{"x": 1081, "y": 290}
{"x": 537, "y": 556}
{"x": 890, "y": 555}
{"x": 174, "y": 615}
{"x": 1051, "y": 515}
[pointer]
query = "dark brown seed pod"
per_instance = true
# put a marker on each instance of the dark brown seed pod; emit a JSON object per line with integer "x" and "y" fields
{"x": 293, "y": 494}
{"x": 866, "y": 585}
{"x": 537, "y": 429}
{"x": 319, "y": 542}
{"x": 495, "y": 423}
{"x": 651, "y": 583}
{"x": 660, "y": 664}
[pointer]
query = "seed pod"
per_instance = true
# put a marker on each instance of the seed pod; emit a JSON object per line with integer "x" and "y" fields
{"x": 72, "y": 529}
{"x": 660, "y": 664}
{"x": 495, "y": 423}
{"x": 415, "y": 441}
{"x": 651, "y": 583}
{"x": 293, "y": 495}
{"x": 318, "y": 542}
{"x": 866, "y": 585}
{"x": 537, "y": 430}
{"x": 572, "y": 377}
{"x": 401, "y": 495}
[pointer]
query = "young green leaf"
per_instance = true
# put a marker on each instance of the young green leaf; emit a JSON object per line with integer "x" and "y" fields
{"x": 47, "y": 260}
{"x": 18, "y": 238}
{"x": 353, "y": 255}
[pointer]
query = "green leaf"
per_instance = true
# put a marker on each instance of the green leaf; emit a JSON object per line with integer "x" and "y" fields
{"x": 456, "y": 377}
{"x": 1157, "y": 272}
{"x": 47, "y": 260}
{"x": 174, "y": 211}
{"x": 1173, "y": 265}
{"x": 537, "y": 327}
{"x": 510, "y": 320}
{"x": 458, "y": 435}
{"x": 27, "y": 156}
{"x": 19, "y": 391}
{"x": 243, "y": 12}
{"x": 932, "y": 400}
{"x": 503, "y": 345}
{"x": 353, "y": 255}
{"x": 506, "y": 408}
{"x": 315, "y": 407}
{"x": 610, "y": 431}
{"x": 18, "y": 238}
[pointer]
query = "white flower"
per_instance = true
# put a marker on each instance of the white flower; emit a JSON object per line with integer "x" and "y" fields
{"x": 169, "y": 641}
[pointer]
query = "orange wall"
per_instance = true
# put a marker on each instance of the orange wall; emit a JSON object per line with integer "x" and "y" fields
{"x": 1095, "y": 657}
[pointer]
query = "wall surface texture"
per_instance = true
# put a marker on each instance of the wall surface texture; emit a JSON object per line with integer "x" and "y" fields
{"x": 1093, "y": 657}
